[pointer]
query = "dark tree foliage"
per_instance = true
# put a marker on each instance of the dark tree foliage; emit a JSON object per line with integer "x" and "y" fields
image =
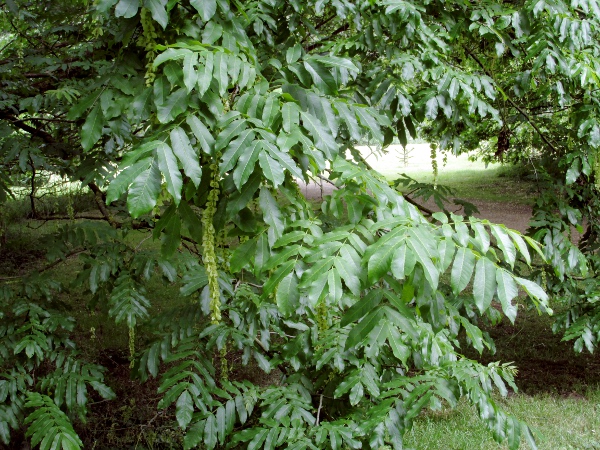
{"x": 194, "y": 120}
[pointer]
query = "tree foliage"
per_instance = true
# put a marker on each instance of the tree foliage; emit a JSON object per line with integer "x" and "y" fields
{"x": 194, "y": 120}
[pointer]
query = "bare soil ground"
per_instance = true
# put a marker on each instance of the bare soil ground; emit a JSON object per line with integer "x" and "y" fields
{"x": 513, "y": 215}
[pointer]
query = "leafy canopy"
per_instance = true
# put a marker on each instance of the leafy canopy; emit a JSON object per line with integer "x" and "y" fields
{"x": 195, "y": 119}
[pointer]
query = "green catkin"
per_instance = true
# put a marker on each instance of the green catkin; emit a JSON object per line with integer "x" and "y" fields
{"x": 322, "y": 316}
{"x": 222, "y": 259}
{"x": 544, "y": 281}
{"x": 597, "y": 170}
{"x": 434, "y": 165}
{"x": 70, "y": 209}
{"x": 148, "y": 41}
{"x": 131, "y": 346}
{"x": 224, "y": 366}
{"x": 208, "y": 246}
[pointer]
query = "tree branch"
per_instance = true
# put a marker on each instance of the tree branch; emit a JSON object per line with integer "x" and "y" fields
{"x": 99, "y": 197}
{"x": 512, "y": 102}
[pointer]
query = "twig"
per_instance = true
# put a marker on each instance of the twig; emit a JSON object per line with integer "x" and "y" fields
{"x": 319, "y": 410}
{"x": 512, "y": 102}
{"x": 326, "y": 179}
{"x": 142, "y": 242}
{"x": 99, "y": 197}
{"x": 47, "y": 267}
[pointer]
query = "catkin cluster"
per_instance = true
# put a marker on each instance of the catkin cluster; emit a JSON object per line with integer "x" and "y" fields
{"x": 322, "y": 315}
{"x": 208, "y": 246}
{"x": 434, "y": 165}
{"x": 148, "y": 41}
{"x": 597, "y": 170}
{"x": 131, "y": 346}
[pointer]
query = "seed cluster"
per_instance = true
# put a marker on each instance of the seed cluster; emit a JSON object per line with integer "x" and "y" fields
{"x": 131, "y": 346}
{"x": 434, "y": 164}
{"x": 597, "y": 171}
{"x": 208, "y": 245}
{"x": 148, "y": 41}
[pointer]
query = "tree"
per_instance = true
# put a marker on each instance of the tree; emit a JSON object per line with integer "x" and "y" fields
{"x": 197, "y": 118}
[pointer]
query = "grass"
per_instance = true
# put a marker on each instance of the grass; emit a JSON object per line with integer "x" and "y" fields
{"x": 470, "y": 180}
{"x": 559, "y": 393}
{"x": 557, "y": 422}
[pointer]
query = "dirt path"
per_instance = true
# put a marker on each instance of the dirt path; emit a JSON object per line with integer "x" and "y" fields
{"x": 513, "y": 215}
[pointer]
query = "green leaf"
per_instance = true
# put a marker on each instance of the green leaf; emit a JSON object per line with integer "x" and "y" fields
{"x": 335, "y": 61}
{"x": 121, "y": 183}
{"x": 356, "y": 394}
{"x": 175, "y": 104}
{"x": 144, "y": 191}
{"x": 362, "y": 307}
{"x": 220, "y": 72}
{"x": 190, "y": 76}
{"x": 349, "y": 270}
{"x": 481, "y": 236}
{"x": 290, "y": 113}
{"x": 287, "y": 295}
{"x": 245, "y": 164}
{"x": 272, "y": 170}
{"x": 276, "y": 278}
{"x": 323, "y": 139}
{"x": 127, "y": 8}
{"x": 521, "y": 245}
{"x": 533, "y": 289}
{"x": 403, "y": 262}
{"x": 284, "y": 159}
{"x": 202, "y": 134}
{"x": 210, "y": 432}
{"x": 505, "y": 244}
{"x": 184, "y": 409}
{"x": 484, "y": 283}
{"x": 507, "y": 290}
{"x": 400, "y": 351}
{"x": 462, "y": 269}
{"x": 379, "y": 263}
{"x": 242, "y": 255}
{"x": 418, "y": 244}
{"x": 205, "y": 74}
{"x": 513, "y": 433}
{"x": 235, "y": 149}
{"x": 233, "y": 130}
{"x": 334, "y": 282}
{"x": 194, "y": 435}
{"x": 271, "y": 212}
{"x": 293, "y": 54}
{"x": 159, "y": 13}
{"x": 170, "y": 170}
{"x": 186, "y": 155}
{"x": 92, "y": 128}
{"x": 322, "y": 78}
{"x": 364, "y": 327}
{"x": 171, "y": 54}
{"x": 206, "y": 8}
{"x": 194, "y": 281}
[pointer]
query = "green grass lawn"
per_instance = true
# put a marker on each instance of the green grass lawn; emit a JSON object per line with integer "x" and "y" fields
{"x": 471, "y": 180}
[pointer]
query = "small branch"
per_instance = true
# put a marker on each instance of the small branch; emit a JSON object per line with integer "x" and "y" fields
{"x": 327, "y": 39}
{"x": 47, "y": 267}
{"x": 78, "y": 216}
{"x": 319, "y": 410}
{"x": 326, "y": 180}
{"x": 422, "y": 208}
{"x": 99, "y": 197}
{"x": 512, "y": 102}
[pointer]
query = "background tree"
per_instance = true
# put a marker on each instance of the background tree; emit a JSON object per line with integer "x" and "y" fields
{"x": 194, "y": 119}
